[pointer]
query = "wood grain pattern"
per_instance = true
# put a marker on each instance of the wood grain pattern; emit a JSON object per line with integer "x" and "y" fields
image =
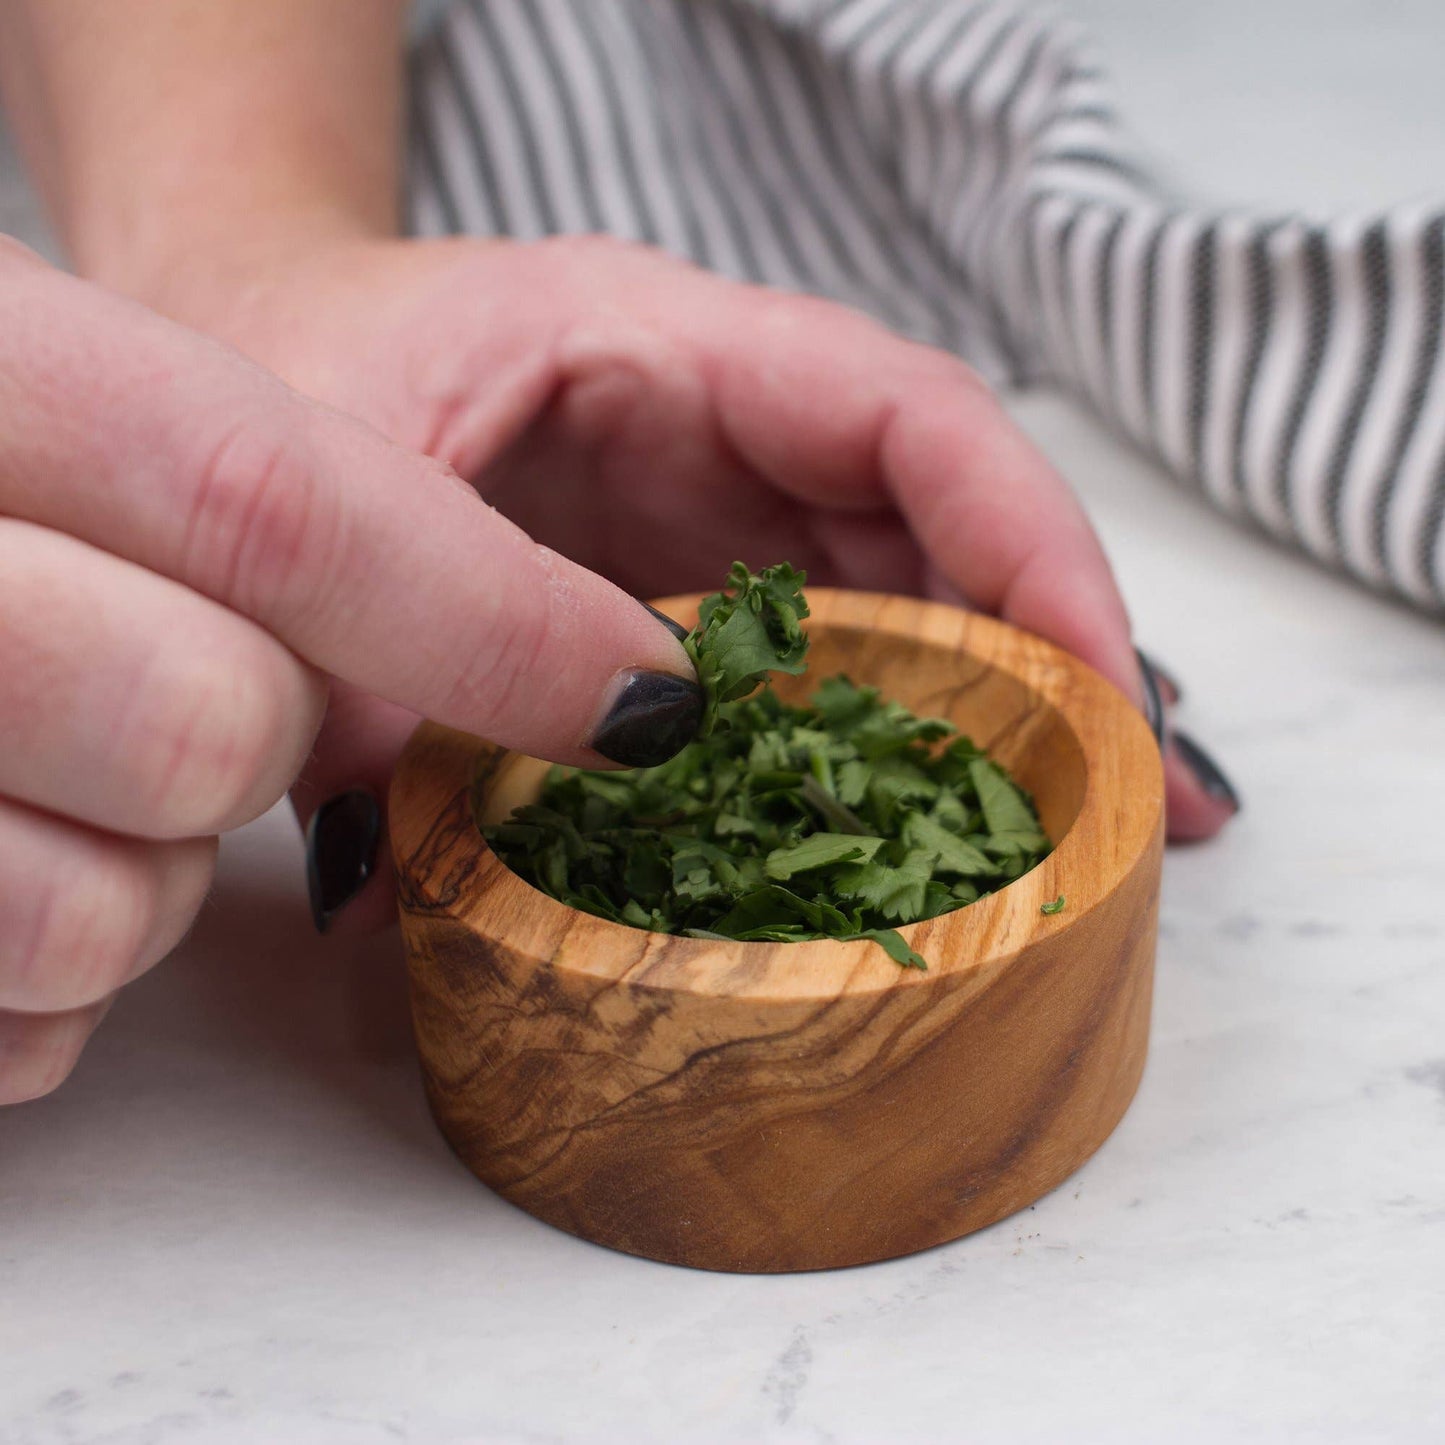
{"x": 762, "y": 1107}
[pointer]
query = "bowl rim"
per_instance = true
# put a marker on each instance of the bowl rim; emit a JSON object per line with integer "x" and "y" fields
{"x": 433, "y": 828}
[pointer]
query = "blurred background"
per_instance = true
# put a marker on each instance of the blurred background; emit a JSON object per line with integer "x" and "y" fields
{"x": 19, "y": 214}
{"x": 1225, "y": 96}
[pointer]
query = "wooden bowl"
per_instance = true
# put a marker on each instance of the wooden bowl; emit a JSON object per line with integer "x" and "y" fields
{"x": 757, "y": 1106}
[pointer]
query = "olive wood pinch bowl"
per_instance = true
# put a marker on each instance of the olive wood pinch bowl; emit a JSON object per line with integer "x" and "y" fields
{"x": 768, "y": 1107}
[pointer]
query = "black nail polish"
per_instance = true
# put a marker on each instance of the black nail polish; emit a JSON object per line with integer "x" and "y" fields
{"x": 1153, "y": 703}
{"x": 655, "y": 716}
{"x": 1168, "y": 682}
{"x": 1206, "y": 770}
{"x": 341, "y": 844}
{"x": 672, "y": 625}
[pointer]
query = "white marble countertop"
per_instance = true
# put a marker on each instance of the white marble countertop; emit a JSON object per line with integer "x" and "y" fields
{"x": 236, "y": 1222}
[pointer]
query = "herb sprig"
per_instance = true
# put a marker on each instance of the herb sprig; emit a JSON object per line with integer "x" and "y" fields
{"x": 749, "y": 629}
{"x": 842, "y": 819}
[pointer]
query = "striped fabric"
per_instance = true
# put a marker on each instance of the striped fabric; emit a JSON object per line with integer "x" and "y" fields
{"x": 956, "y": 169}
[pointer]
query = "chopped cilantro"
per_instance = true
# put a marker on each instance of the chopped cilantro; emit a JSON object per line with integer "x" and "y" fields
{"x": 843, "y": 819}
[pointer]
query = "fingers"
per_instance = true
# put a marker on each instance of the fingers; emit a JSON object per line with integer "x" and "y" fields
{"x": 374, "y": 564}
{"x": 132, "y": 703}
{"x": 840, "y": 412}
{"x": 874, "y": 553}
{"x": 1200, "y": 798}
{"x": 1193, "y": 814}
{"x": 38, "y": 1051}
{"x": 82, "y": 912}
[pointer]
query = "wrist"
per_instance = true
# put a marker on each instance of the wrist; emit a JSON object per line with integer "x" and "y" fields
{"x": 197, "y": 267}
{"x": 174, "y": 138}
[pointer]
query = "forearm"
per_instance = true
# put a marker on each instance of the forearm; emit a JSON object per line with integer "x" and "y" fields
{"x": 170, "y": 134}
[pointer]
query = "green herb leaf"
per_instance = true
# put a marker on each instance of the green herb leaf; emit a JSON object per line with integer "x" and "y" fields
{"x": 891, "y": 942}
{"x": 896, "y": 890}
{"x": 953, "y": 856}
{"x": 1057, "y": 906}
{"x": 749, "y": 629}
{"x": 1007, "y": 813}
{"x": 820, "y": 850}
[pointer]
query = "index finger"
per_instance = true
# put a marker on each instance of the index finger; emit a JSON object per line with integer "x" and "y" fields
{"x": 374, "y": 563}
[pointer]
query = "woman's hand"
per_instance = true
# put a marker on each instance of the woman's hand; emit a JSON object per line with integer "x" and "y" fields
{"x": 191, "y": 555}
{"x": 653, "y": 422}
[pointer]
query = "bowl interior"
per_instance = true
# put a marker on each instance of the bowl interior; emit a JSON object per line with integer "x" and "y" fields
{"x": 998, "y": 709}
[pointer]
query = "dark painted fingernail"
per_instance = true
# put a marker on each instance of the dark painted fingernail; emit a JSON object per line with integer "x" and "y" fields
{"x": 1153, "y": 703}
{"x": 1205, "y": 770}
{"x": 341, "y": 844}
{"x": 671, "y": 623}
{"x": 1168, "y": 683}
{"x": 655, "y": 716}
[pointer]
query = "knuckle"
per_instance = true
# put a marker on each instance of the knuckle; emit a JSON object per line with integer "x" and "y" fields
{"x": 82, "y": 938}
{"x": 234, "y": 736}
{"x": 38, "y": 1053}
{"x": 259, "y": 527}
{"x": 606, "y": 391}
{"x": 955, "y": 375}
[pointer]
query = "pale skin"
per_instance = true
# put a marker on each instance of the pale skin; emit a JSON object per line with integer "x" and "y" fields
{"x": 216, "y": 588}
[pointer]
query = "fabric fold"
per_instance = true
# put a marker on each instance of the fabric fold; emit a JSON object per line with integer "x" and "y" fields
{"x": 957, "y": 169}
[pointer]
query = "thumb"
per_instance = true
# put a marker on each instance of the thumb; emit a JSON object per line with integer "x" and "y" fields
{"x": 341, "y": 803}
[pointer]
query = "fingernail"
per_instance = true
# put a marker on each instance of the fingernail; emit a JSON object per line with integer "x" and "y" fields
{"x": 1168, "y": 684}
{"x": 1153, "y": 703}
{"x": 341, "y": 844}
{"x": 655, "y": 715}
{"x": 1205, "y": 770}
{"x": 672, "y": 625}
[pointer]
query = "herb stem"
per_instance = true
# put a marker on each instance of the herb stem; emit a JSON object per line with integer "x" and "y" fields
{"x": 839, "y": 817}
{"x": 822, "y": 769}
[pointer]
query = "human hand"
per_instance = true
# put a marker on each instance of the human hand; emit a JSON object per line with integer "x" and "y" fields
{"x": 652, "y": 422}
{"x": 189, "y": 554}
